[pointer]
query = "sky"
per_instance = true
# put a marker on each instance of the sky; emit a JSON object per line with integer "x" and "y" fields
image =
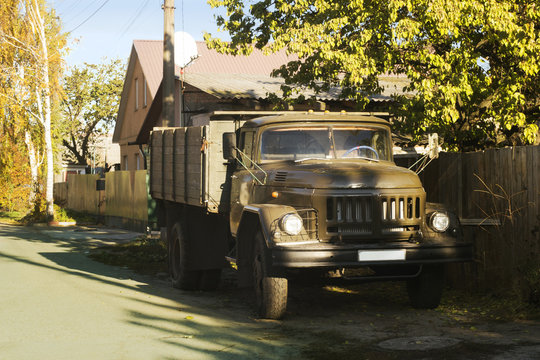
{"x": 105, "y": 29}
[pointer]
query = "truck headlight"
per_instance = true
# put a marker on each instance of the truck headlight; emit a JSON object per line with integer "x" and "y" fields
{"x": 439, "y": 221}
{"x": 292, "y": 224}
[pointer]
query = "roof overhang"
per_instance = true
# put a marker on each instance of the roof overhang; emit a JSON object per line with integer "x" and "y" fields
{"x": 252, "y": 86}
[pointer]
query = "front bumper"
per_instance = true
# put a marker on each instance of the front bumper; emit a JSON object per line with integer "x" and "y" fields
{"x": 333, "y": 256}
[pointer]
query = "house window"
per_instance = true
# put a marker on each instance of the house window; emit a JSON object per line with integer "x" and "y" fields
{"x": 136, "y": 94}
{"x": 125, "y": 162}
{"x": 145, "y": 99}
{"x": 138, "y": 161}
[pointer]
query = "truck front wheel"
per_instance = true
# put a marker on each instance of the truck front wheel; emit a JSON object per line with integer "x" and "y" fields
{"x": 182, "y": 277}
{"x": 425, "y": 291}
{"x": 270, "y": 292}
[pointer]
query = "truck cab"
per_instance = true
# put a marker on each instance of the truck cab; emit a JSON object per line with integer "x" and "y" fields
{"x": 321, "y": 191}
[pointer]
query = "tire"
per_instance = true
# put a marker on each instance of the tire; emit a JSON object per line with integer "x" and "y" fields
{"x": 182, "y": 278}
{"x": 425, "y": 291}
{"x": 270, "y": 292}
{"x": 210, "y": 279}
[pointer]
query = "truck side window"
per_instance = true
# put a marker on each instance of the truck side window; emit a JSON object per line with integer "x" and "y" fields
{"x": 246, "y": 146}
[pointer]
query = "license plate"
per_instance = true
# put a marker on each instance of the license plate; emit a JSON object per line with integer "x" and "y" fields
{"x": 381, "y": 255}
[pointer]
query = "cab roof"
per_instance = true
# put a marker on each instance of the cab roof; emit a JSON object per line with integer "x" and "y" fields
{"x": 315, "y": 117}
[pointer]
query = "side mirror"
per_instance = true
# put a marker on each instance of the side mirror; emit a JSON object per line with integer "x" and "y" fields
{"x": 433, "y": 145}
{"x": 229, "y": 146}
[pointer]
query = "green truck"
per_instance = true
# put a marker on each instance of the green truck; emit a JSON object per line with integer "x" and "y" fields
{"x": 279, "y": 195}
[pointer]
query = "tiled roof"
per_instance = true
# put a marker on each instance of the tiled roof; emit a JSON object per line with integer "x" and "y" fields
{"x": 150, "y": 53}
{"x": 257, "y": 63}
{"x": 228, "y": 76}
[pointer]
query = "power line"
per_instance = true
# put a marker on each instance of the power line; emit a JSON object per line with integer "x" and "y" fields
{"x": 89, "y": 17}
{"x": 71, "y": 6}
{"x": 134, "y": 18}
{"x": 183, "y": 16}
{"x": 82, "y": 11}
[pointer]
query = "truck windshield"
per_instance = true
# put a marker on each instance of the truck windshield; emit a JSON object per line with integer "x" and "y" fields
{"x": 325, "y": 142}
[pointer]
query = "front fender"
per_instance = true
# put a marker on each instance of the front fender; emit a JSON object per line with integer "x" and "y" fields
{"x": 266, "y": 215}
{"x": 255, "y": 217}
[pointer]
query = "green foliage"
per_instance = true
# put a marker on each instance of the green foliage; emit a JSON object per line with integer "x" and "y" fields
{"x": 469, "y": 307}
{"x": 145, "y": 255}
{"x": 472, "y": 65}
{"x": 78, "y": 217}
{"x": 532, "y": 285}
{"x": 16, "y": 183}
{"x": 62, "y": 215}
{"x": 89, "y": 107}
{"x": 37, "y": 213}
{"x": 10, "y": 217}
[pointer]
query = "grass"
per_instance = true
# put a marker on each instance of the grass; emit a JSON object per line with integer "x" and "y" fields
{"x": 79, "y": 218}
{"x": 11, "y": 217}
{"x": 465, "y": 306}
{"x": 144, "y": 255}
{"x": 61, "y": 215}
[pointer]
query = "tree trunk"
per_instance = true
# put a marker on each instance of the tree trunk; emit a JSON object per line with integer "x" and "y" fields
{"x": 37, "y": 19}
{"x": 49, "y": 195}
{"x": 34, "y": 166}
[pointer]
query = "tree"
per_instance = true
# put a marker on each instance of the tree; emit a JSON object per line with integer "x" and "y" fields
{"x": 14, "y": 178}
{"x": 89, "y": 106}
{"x": 15, "y": 133}
{"x": 32, "y": 48}
{"x": 472, "y": 65}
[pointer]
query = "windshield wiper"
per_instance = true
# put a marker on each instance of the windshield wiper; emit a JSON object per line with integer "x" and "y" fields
{"x": 365, "y": 158}
{"x": 309, "y": 158}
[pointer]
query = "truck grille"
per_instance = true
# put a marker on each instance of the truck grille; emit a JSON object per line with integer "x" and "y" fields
{"x": 350, "y": 209}
{"x": 280, "y": 176}
{"x": 400, "y": 208}
{"x": 373, "y": 216}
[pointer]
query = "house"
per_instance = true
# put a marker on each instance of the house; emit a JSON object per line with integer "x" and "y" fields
{"x": 212, "y": 82}
{"x": 103, "y": 156}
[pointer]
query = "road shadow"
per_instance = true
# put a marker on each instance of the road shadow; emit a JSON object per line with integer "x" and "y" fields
{"x": 198, "y": 325}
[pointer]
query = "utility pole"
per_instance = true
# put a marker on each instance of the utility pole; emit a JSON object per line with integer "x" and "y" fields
{"x": 168, "y": 64}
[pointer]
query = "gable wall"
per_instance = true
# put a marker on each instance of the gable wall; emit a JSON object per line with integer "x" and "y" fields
{"x": 130, "y": 156}
{"x": 134, "y": 117}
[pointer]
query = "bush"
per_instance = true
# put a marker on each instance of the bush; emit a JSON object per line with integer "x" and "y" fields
{"x": 532, "y": 285}
{"x": 61, "y": 214}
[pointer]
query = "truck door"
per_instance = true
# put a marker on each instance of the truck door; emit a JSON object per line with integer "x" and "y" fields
{"x": 242, "y": 181}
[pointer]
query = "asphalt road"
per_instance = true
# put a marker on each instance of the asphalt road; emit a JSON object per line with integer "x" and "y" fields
{"x": 56, "y": 303}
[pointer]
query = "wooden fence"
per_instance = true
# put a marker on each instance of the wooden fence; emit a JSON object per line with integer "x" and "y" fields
{"x": 123, "y": 203}
{"x": 496, "y": 194}
{"x": 79, "y": 194}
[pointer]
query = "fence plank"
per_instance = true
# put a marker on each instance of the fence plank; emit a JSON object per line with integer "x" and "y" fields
{"x": 512, "y": 174}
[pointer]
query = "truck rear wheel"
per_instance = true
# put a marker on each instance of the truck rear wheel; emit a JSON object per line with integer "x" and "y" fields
{"x": 210, "y": 279}
{"x": 182, "y": 277}
{"x": 425, "y": 291}
{"x": 270, "y": 292}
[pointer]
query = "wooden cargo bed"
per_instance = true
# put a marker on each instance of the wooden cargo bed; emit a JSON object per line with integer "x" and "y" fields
{"x": 187, "y": 165}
